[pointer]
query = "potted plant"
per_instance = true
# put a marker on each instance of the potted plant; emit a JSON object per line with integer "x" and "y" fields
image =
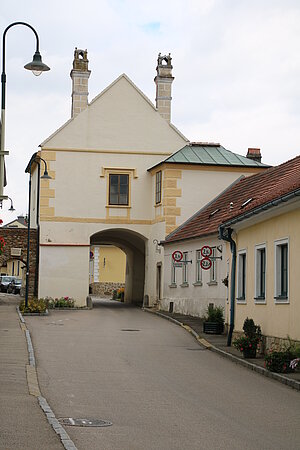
{"x": 214, "y": 320}
{"x": 248, "y": 343}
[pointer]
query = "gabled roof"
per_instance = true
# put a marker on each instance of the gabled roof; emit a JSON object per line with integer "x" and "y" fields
{"x": 244, "y": 197}
{"x": 19, "y": 222}
{"x": 126, "y": 107}
{"x": 205, "y": 153}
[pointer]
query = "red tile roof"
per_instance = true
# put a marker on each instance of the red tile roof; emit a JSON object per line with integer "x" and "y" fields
{"x": 245, "y": 195}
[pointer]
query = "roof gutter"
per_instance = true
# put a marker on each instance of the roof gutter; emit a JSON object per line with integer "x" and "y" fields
{"x": 226, "y": 235}
{"x": 262, "y": 208}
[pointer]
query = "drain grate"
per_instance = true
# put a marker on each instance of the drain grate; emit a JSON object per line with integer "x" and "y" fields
{"x": 84, "y": 422}
{"x": 129, "y": 329}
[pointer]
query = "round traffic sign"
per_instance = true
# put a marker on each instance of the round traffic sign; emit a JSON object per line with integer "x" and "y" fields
{"x": 206, "y": 251}
{"x": 177, "y": 255}
{"x": 205, "y": 263}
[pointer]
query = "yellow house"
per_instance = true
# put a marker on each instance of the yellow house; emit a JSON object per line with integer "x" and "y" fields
{"x": 124, "y": 176}
{"x": 262, "y": 226}
{"x": 107, "y": 269}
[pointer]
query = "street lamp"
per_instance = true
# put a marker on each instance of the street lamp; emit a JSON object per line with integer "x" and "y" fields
{"x": 35, "y": 159}
{"x": 11, "y": 204}
{"x": 37, "y": 67}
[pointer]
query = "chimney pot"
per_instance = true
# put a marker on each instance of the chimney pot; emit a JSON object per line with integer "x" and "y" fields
{"x": 163, "y": 81}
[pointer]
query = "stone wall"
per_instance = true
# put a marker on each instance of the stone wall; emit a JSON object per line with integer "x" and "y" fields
{"x": 16, "y": 238}
{"x": 105, "y": 288}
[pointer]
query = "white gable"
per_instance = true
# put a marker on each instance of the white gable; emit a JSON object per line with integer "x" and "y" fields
{"x": 120, "y": 118}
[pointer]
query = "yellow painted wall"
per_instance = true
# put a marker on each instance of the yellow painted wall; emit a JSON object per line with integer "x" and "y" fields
{"x": 279, "y": 320}
{"x": 112, "y": 264}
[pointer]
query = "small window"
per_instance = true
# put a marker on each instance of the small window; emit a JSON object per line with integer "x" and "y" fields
{"x": 213, "y": 269}
{"x": 198, "y": 267}
{"x": 173, "y": 273}
{"x": 118, "y": 189}
{"x": 260, "y": 273}
{"x": 281, "y": 270}
{"x": 158, "y": 187}
{"x": 184, "y": 268}
{"x": 241, "y": 276}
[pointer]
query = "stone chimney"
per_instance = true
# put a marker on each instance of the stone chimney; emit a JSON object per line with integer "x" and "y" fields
{"x": 254, "y": 153}
{"x": 80, "y": 77}
{"x": 163, "y": 81}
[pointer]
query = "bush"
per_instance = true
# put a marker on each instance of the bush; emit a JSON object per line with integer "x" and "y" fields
{"x": 34, "y": 306}
{"x": 120, "y": 294}
{"x": 279, "y": 361}
{"x": 214, "y": 314}
{"x": 249, "y": 342}
{"x": 62, "y": 302}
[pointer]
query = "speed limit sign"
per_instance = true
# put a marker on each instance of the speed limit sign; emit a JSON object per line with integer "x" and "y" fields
{"x": 205, "y": 263}
{"x": 177, "y": 256}
{"x": 206, "y": 251}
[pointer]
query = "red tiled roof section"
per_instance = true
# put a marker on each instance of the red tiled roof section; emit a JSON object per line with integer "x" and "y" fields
{"x": 261, "y": 188}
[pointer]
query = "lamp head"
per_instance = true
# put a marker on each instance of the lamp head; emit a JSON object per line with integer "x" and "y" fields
{"x": 46, "y": 176}
{"x": 36, "y": 65}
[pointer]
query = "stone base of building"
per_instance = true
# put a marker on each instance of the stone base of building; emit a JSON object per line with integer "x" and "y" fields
{"x": 104, "y": 288}
{"x": 270, "y": 342}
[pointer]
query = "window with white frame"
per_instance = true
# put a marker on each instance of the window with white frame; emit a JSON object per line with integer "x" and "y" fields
{"x": 241, "y": 281}
{"x": 184, "y": 269}
{"x": 173, "y": 273}
{"x": 198, "y": 267}
{"x": 281, "y": 270}
{"x": 213, "y": 269}
{"x": 260, "y": 273}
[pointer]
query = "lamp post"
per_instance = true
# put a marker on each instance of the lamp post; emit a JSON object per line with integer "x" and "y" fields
{"x": 37, "y": 67}
{"x": 11, "y": 204}
{"x": 45, "y": 176}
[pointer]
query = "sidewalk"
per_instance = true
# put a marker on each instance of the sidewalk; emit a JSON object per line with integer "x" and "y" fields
{"x": 23, "y": 424}
{"x": 218, "y": 344}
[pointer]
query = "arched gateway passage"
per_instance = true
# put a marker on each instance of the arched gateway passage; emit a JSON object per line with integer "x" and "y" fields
{"x": 133, "y": 245}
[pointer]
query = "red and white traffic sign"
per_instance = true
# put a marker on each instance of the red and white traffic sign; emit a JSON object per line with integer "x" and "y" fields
{"x": 206, "y": 251}
{"x": 177, "y": 256}
{"x": 205, "y": 263}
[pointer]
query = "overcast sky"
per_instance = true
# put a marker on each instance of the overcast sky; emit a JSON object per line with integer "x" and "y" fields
{"x": 236, "y": 66}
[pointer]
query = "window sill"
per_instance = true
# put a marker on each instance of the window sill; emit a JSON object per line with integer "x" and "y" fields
{"x": 260, "y": 300}
{"x": 184, "y": 285}
{"x": 241, "y": 300}
{"x": 212, "y": 283}
{"x": 117, "y": 206}
{"x": 173, "y": 285}
{"x": 157, "y": 204}
{"x": 197, "y": 283}
{"x": 281, "y": 300}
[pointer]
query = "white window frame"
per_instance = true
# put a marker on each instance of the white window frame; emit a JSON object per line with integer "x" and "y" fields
{"x": 185, "y": 280}
{"x": 198, "y": 271}
{"x": 278, "y": 244}
{"x": 241, "y": 280}
{"x": 173, "y": 274}
{"x": 258, "y": 274}
{"x": 213, "y": 270}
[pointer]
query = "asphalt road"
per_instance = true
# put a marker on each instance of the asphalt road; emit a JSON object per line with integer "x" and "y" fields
{"x": 158, "y": 387}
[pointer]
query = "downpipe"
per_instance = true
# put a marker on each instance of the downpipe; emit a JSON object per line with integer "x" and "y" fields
{"x": 226, "y": 235}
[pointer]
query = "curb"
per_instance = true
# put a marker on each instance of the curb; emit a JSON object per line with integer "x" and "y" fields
{"x": 33, "y": 387}
{"x": 275, "y": 376}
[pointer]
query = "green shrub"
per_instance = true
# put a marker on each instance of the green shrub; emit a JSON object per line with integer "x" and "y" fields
{"x": 62, "y": 302}
{"x": 34, "y": 306}
{"x": 252, "y": 336}
{"x": 279, "y": 361}
{"x": 214, "y": 314}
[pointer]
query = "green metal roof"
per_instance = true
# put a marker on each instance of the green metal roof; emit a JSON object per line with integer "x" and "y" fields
{"x": 211, "y": 154}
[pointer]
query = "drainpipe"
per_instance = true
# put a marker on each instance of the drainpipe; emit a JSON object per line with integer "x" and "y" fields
{"x": 225, "y": 234}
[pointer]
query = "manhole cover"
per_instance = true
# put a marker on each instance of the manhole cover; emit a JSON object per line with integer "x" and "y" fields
{"x": 129, "y": 329}
{"x": 84, "y": 422}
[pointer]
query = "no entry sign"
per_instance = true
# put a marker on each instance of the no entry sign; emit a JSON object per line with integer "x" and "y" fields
{"x": 177, "y": 256}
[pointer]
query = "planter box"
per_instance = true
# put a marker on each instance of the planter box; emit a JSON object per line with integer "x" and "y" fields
{"x": 213, "y": 327}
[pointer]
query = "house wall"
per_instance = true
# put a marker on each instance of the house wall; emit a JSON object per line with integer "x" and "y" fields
{"x": 276, "y": 319}
{"x": 111, "y": 266}
{"x": 194, "y": 297}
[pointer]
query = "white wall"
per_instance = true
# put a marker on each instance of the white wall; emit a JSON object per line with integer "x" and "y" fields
{"x": 194, "y": 298}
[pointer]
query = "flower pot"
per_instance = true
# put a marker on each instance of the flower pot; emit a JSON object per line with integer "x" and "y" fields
{"x": 213, "y": 327}
{"x": 249, "y": 353}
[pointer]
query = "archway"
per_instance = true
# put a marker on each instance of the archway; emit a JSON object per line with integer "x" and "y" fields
{"x": 133, "y": 245}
